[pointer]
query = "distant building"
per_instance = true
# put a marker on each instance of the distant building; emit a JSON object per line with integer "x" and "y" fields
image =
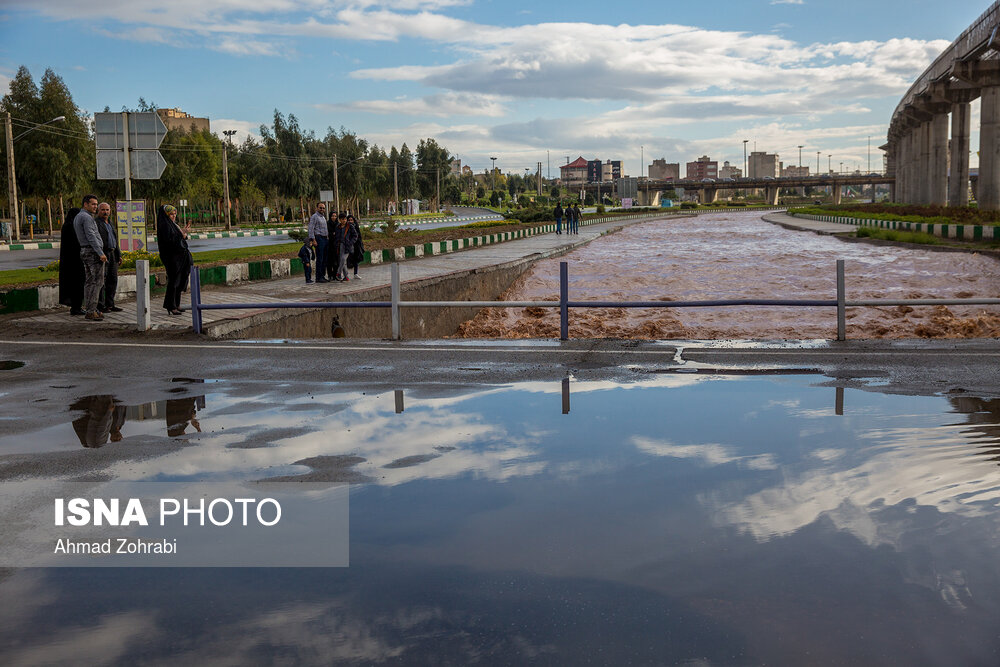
{"x": 456, "y": 167}
{"x": 795, "y": 172}
{"x": 574, "y": 173}
{"x": 764, "y": 164}
{"x": 729, "y": 171}
{"x": 594, "y": 171}
{"x": 611, "y": 170}
{"x": 665, "y": 171}
{"x": 466, "y": 170}
{"x": 703, "y": 167}
{"x": 176, "y": 119}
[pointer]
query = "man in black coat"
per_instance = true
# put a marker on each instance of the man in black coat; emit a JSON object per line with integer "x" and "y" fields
{"x": 110, "y": 237}
{"x": 71, "y": 273}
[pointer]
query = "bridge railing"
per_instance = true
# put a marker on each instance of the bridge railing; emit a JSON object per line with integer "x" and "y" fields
{"x": 396, "y": 304}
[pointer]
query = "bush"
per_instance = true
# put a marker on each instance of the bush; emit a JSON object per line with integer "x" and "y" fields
{"x": 601, "y": 210}
{"x": 299, "y": 235}
{"x": 689, "y": 204}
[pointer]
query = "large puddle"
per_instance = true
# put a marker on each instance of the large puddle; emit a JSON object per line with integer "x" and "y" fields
{"x": 739, "y": 256}
{"x": 676, "y": 518}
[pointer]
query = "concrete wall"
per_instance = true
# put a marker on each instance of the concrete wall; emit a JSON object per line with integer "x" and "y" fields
{"x": 474, "y": 285}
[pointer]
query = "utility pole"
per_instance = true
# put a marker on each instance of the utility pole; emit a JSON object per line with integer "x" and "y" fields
{"x": 225, "y": 183}
{"x": 395, "y": 187}
{"x": 800, "y": 161}
{"x": 817, "y": 163}
{"x": 336, "y": 185}
{"x": 128, "y": 158}
{"x": 538, "y": 183}
{"x": 438, "y": 203}
{"x": 493, "y": 175}
{"x": 11, "y": 183}
{"x": 746, "y": 172}
{"x": 548, "y": 165}
{"x": 870, "y": 161}
{"x": 829, "y": 162}
{"x": 225, "y": 172}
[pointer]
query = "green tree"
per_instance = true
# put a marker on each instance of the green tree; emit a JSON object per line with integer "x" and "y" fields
{"x": 433, "y": 162}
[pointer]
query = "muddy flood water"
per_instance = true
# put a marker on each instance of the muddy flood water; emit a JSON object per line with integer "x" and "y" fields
{"x": 705, "y": 519}
{"x": 740, "y": 256}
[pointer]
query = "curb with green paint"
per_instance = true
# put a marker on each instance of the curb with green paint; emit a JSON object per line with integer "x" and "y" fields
{"x": 945, "y": 231}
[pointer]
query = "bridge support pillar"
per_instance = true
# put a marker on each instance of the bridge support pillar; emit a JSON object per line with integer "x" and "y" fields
{"x": 924, "y": 164}
{"x": 771, "y": 194}
{"x": 900, "y": 169}
{"x": 937, "y": 174}
{"x": 909, "y": 166}
{"x": 958, "y": 181}
{"x": 838, "y": 191}
{"x": 989, "y": 150}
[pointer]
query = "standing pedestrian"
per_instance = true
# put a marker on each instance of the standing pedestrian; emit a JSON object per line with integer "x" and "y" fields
{"x": 332, "y": 254}
{"x": 319, "y": 238}
{"x": 307, "y": 254}
{"x": 559, "y": 216}
{"x": 92, "y": 255}
{"x": 358, "y": 251}
{"x": 111, "y": 249}
{"x": 72, "y": 277}
{"x": 576, "y": 218}
{"x": 171, "y": 241}
{"x": 346, "y": 238}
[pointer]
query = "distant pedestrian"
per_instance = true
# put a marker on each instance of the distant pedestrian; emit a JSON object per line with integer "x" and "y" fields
{"x": 558, "y": 213}
{"x": 72, "y": 276}
{"x": 319, "y": 238}
{"x": 171, "y": 241}
{"x": 332, "y": 253}
{"x": 92, "y": 255}
{"x": 576, "y": 218}
{"x": 307, "y": 254}
{"x": 111, "y": 249}
{"x": 357, "y": 253}
{"x": 345, "y": 240}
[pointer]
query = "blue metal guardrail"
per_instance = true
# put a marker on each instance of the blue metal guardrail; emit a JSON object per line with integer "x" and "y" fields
{"x": 564, "y": 304}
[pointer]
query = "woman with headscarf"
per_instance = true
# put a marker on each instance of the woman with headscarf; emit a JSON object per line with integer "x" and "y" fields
{"x": 71, "y": 274}
{"x": 171, "y": 241}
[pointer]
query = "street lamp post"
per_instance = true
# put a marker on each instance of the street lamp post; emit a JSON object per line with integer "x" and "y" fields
{"x": 829, "y": 162}
{"x": 800, "y": 159}
{"x": 493, "y": 172}
{"x": 817, "y": 163}
{"x": 11, "y": 172}
{"x": 746, "y": 173}
{"x": 225, "y": 172}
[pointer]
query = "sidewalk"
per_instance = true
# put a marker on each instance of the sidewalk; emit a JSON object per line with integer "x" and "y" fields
{"x": 295, "y": 289}
{"x": 802, "y": 224}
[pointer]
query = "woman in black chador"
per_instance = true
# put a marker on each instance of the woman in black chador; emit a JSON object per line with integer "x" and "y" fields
{"x": 171, "y": 241}
{"x": 71, "y": 274}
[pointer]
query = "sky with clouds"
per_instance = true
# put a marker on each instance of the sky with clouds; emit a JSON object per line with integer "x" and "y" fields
{"x": 525, "y": 82}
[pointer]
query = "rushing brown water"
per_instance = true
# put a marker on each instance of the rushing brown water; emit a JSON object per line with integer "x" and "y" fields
{"x": 739, "y": 256}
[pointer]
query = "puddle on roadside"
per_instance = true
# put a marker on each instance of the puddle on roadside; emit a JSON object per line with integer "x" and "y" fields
{"x": 675, "y": 518}
{"x": 9, "y": 365}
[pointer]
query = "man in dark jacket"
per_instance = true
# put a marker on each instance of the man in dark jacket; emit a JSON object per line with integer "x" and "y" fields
{"x": 114, "y": 253}
{"x": 558, "y": 213}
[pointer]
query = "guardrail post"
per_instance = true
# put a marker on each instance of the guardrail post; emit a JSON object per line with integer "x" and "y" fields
{"x": 394, "y": 271}
{"x": 563, "y": 301}
{"x": 195, "y": 299}
{"x": 841, "y": 300}
{"x": 142, "y": 322}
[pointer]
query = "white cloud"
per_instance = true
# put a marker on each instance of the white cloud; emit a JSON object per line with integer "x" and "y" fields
{"x": 788, "y": 2}
{"x": 442, "y": 105}
{"x": 244, "y": 129}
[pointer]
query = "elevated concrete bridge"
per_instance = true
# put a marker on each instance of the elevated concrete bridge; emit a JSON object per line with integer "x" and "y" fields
{"x": 925, "y": 170}
{"x": 708, "y": 191}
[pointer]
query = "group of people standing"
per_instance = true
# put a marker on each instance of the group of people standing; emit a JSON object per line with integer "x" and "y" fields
{"x": 572, "y": 214}
{"x": 89, "y": 258}
{"x": 336, "y": 245}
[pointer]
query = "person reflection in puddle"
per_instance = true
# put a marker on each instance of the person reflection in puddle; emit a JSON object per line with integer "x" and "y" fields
{"x": 100, "y": 420}
{"x": 181, "y": 412}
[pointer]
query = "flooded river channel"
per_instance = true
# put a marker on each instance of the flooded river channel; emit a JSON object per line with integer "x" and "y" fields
{"x": 670, "y": 518}
{"x": 739, "y": 256}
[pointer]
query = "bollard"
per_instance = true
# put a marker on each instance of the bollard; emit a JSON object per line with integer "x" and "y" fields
{"x": 196, "y": 300}
{"x": 563, "y": 301}
{"x": 394, "y": 270}
{"x": 841, "y": 301}
{"x": 142, "y": 316}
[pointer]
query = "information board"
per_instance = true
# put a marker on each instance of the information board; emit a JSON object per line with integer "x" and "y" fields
{"x": 132, "y": 225}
